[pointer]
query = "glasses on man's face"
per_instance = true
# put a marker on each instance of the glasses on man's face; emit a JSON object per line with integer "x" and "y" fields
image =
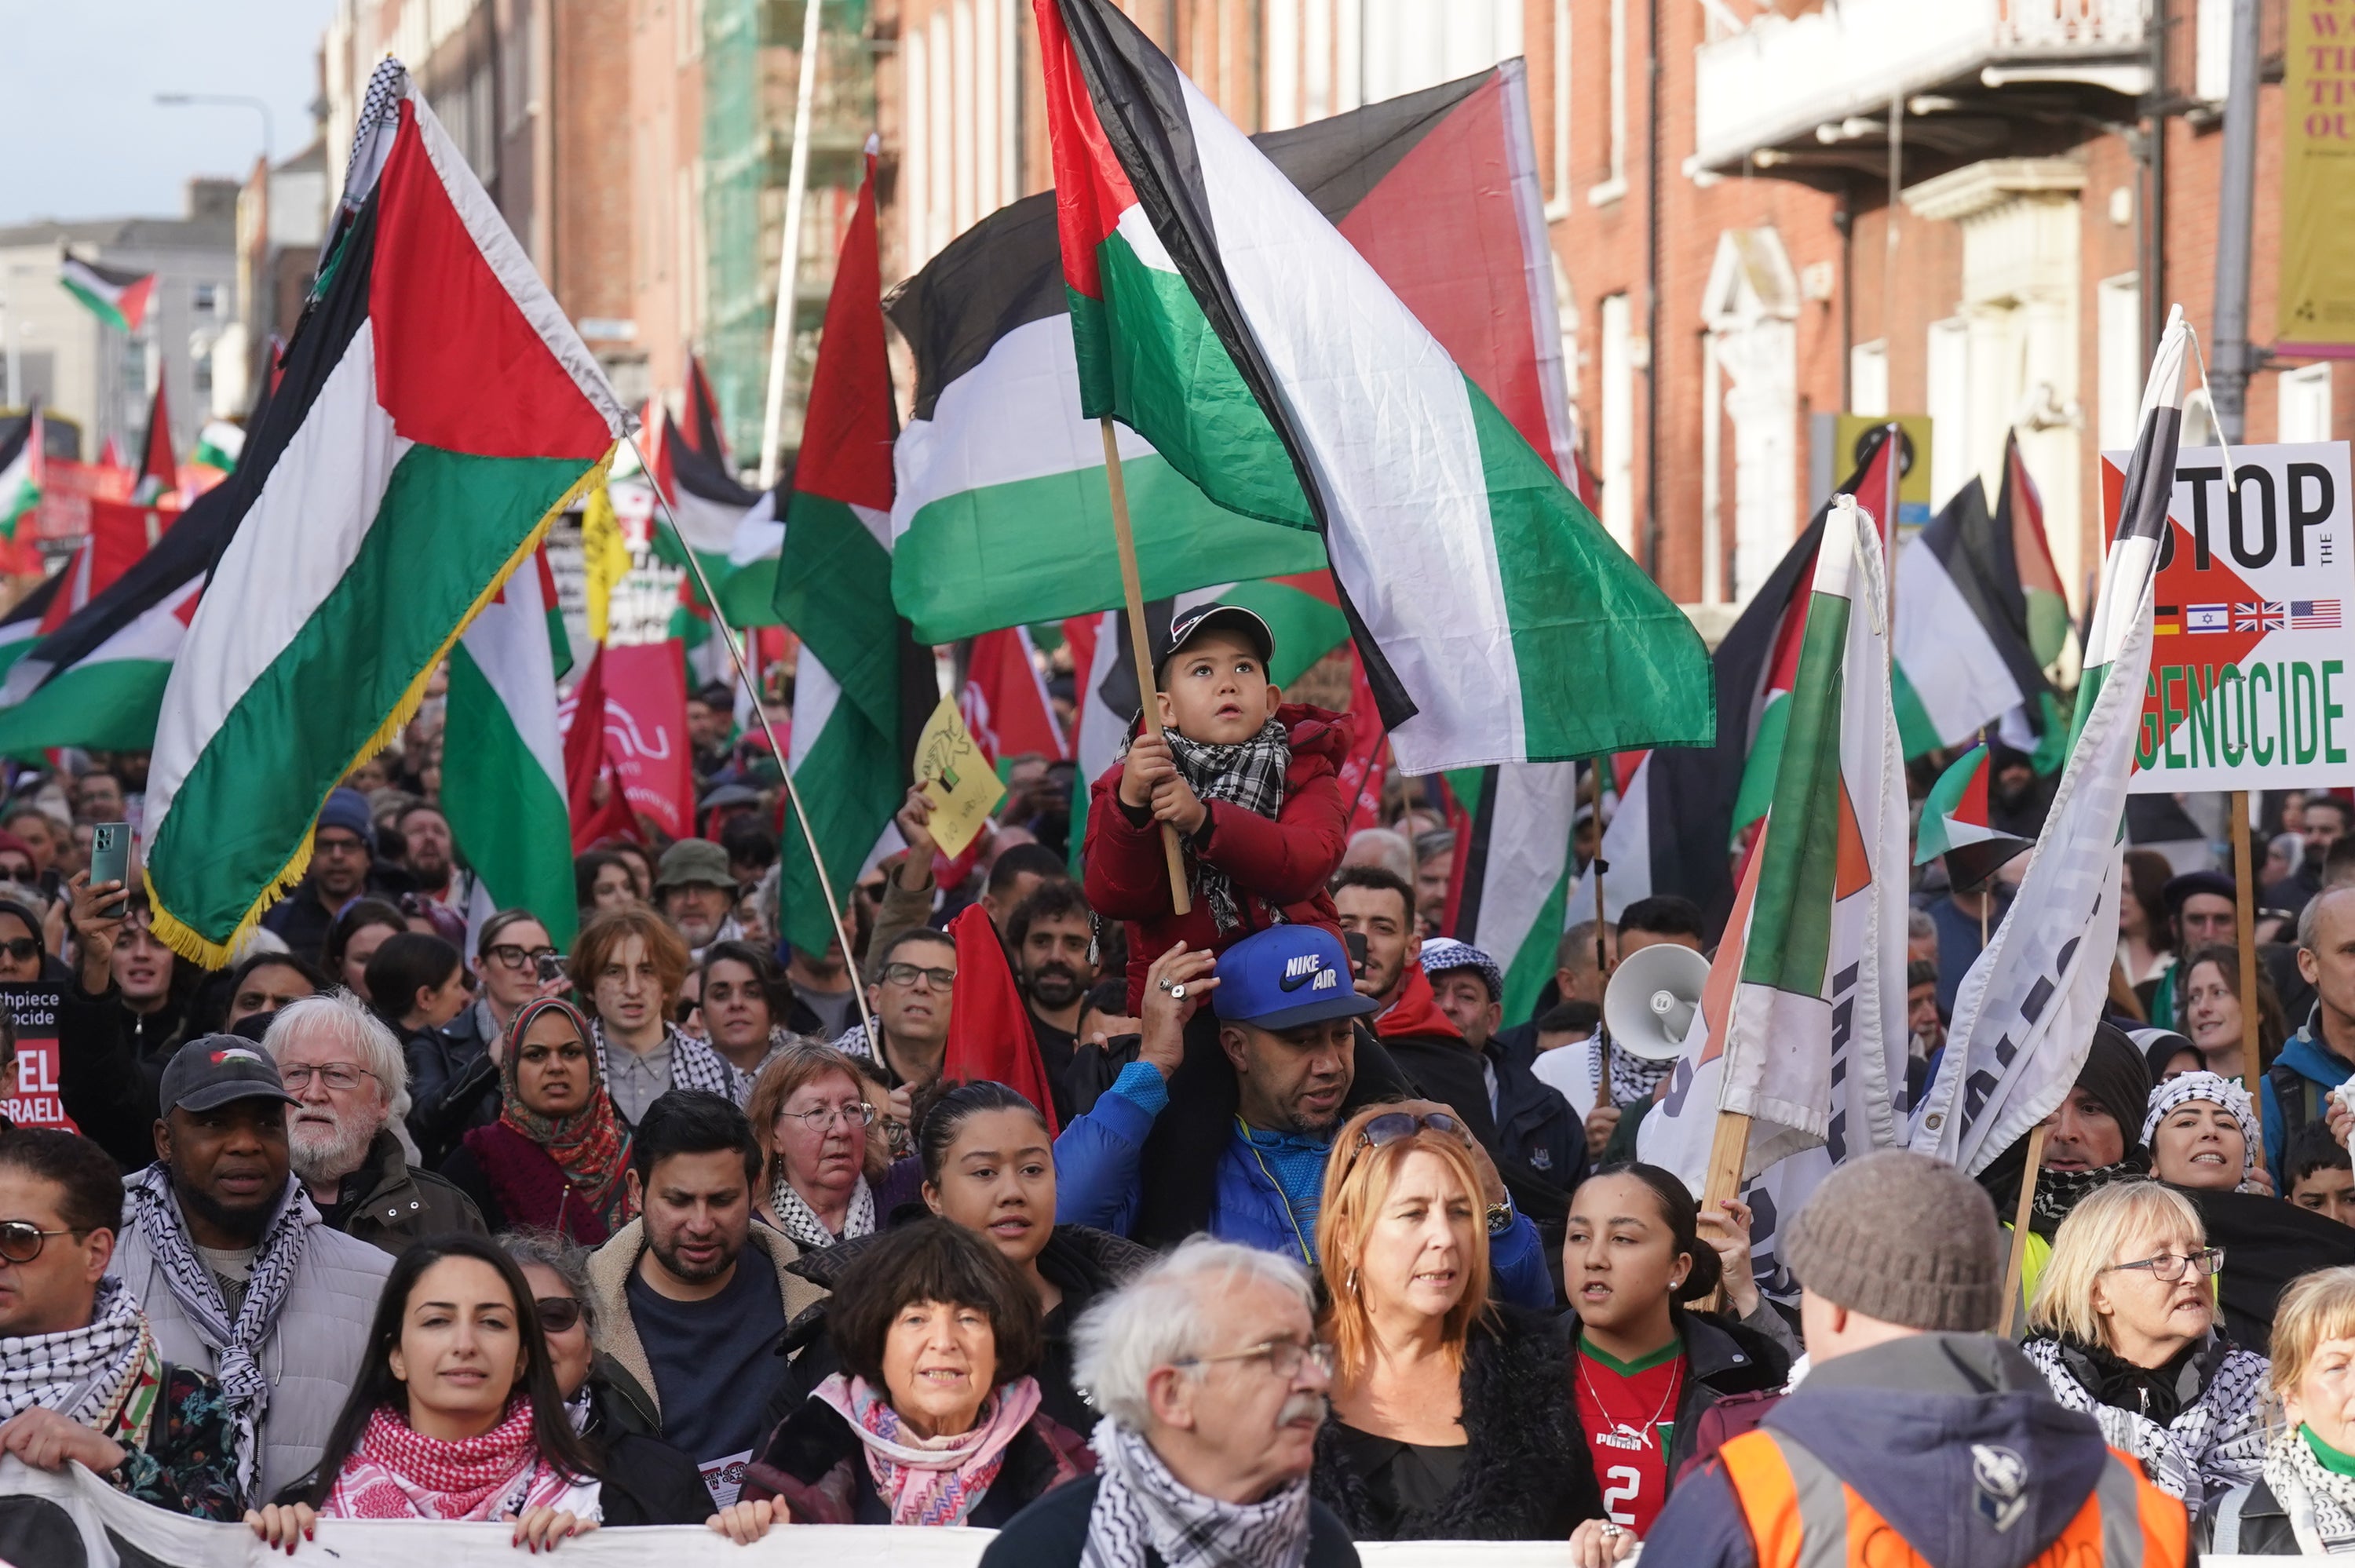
{"x": 822, "y": 1117}
{"x": 340, "y": 843}
{"x": 1283, "y": 1357}
{"x": 341, "y": 1077}
{"x": 905, "y": 974}
{"x": 2168, "y": 1267}
{"x": 21, "y": 1240}
{"x": 22, "y": 949}
{"x": 557, "y": 1313}
{"x": 516, "y": 955}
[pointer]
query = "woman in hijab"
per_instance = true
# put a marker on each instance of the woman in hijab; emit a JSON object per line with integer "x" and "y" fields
{"x": 554, "y": 1159}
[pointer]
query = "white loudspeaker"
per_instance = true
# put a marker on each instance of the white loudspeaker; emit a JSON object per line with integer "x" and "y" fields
{"x": 1651, "y": 999}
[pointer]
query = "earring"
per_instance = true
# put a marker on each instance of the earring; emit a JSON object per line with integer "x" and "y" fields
{"x": 1353, "y": 1285}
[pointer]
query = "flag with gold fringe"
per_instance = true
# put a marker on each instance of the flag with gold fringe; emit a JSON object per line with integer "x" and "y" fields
{"x": 437, "y": 412}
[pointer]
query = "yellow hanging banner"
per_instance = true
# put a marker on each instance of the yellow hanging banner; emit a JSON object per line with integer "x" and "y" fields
{"x": 2318, "y": 189}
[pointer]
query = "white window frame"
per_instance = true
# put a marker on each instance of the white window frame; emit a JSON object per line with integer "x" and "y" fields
{"x": 2303, "y": 409}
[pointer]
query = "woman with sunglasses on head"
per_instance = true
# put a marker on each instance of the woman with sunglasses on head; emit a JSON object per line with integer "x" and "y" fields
{"x": 1449, "y": 1415}
{"x": 813, "y": 1111}
{"x": 453, "y": 1071}
{"x": 454, "y": 1414}
{"x": 1644, "y": 1364}
{"x": 2124, "y": 1327}
{"x": 555, "y": 1158}
{"x": 646, "y": 1481}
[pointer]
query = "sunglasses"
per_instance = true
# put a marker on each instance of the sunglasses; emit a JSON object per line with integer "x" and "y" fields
{"x": 557, "y": 1313}
{"x": 23, "y": 950}
{"x": 21, "y": 1241}
{"x": 1392, "y": 1125}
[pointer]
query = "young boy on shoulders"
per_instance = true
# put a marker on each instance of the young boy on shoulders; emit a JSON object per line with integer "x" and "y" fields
{"x": 1248, "y": 781}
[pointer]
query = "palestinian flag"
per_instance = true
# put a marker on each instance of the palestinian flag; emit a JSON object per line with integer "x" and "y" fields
{"x": 1513, "y": 890}
{"x": 1683, "y": 812}
{"x": 502, "y": 757}
{"x": 121, "y": 532}
{"x": 115, "y": 295}
{"x": 1963, "y": 658}
{"x": 703, "y": 429}
{"x": 97, "y": 680}
{"x": 1955, "y": 825}
{"x": 1002, "y": 516}
{"x": 864, "y": 686}
{"x": 218, "y": 446}
{"x": 437, "y": 413}
{"x": 159, "y": 473}
{"x": 2027, "y": 1008}
{"x": 20, "y": 473}
{"x": 21, "y": 627}
{"x": 1005, "y": 702}
{"x": 2020, "y": 525}
{"x": 1217, "y": 312}
{"x": 1801, "y": 1024}
{"x": 705, "y": 499}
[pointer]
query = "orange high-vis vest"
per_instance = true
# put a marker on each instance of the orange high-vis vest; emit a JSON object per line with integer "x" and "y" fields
{"x": 1801, "y": 1515}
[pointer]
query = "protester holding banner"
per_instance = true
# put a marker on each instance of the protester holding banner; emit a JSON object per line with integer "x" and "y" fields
{"x": 557, "y": 1157}
{"x": 81, "y": 1378}
{"x": 1449, "y": 1416}
{"x": 453, "y": 1414}
{"x": 2123, "y": 1327}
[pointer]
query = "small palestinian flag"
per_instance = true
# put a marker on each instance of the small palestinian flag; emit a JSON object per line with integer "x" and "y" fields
{"x": 20, "y": 473}
{"x": 437, "y": 413}
{"x": 1955, "y": 825}
{"x": 114, "y": 296}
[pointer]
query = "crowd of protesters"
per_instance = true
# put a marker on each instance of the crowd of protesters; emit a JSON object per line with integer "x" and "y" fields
{"x": 1304, "y": 1242}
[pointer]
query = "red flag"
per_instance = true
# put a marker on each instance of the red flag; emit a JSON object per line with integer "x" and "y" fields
{"x": 120, "y": 533}
{"x": 158, "y": 468}
{"x": 1005, "y": 699}
{"x": 586, "y": 765}
{"x": 990, "y": 1034}
{"x": 1362, "y": 771}
{"x": 645, "y": 732}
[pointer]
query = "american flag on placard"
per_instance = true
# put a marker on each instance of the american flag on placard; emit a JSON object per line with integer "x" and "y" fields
{"x": 2265, "y": 614}
{"x": 2314, "y": 615}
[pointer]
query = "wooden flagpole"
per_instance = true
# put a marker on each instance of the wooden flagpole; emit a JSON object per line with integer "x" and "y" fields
{"x": 1726, "y": 1153}
{"x": 2017, "y": 1265}
{"x": 1141, "y": 645}
{"x": 2244, "y": 900}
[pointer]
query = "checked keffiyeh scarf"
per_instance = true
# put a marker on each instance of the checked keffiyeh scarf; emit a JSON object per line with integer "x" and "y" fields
{"x": 236, "y": 1346}
{"x": 397, "y": 1473}
{"x": 1139, "y": 1504}
{"x": 2214, "y": 1441}
{"x": 692, "y": 1064}
{"x": 1248, "y": 774}
{"x": 799, "y": 1221}
{"x": 2319, "y": 1500}
{"x": 85, "y": 1374}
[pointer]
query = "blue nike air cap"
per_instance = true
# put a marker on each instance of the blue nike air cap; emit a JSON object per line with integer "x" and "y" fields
{"x": 1287, "y": 976}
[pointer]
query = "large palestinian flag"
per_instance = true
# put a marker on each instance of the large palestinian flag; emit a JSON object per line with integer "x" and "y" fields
{"x": 2025, "y": 1013}
{"x": 1218, "y": 313}
{"x": 437, "y": 412}
{"x": 1801, "y": 1024}
{"x": 115, "y": 295}
{"x": 1003, "y": 517}
{"x": 1683, "y": 811}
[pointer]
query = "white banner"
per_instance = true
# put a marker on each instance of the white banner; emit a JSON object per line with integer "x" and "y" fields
{"x": 41, "y": 1513}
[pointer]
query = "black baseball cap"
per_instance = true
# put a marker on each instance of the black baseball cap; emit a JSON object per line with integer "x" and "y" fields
{"x": 208, "y": 1072}
{"x": 1191, "y": 622}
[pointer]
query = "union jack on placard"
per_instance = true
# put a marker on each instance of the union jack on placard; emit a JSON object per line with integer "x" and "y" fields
{"x": 2265, "y": 614}
{"x": 2314, "y": 615}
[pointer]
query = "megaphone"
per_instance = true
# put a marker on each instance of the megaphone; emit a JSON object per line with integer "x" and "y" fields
{"x": 1651, "y": 999}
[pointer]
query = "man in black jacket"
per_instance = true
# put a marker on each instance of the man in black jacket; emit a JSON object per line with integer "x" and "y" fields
{"x": 1534, "y": 1126}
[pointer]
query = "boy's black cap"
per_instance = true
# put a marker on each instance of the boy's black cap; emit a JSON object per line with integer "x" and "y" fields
{"x": 1191, "y": 622}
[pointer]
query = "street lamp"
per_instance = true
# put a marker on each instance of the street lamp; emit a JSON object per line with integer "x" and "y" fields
{"x": 235, "y": 101}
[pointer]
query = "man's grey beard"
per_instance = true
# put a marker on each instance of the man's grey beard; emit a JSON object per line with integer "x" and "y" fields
{"x": 322, "y": 1156}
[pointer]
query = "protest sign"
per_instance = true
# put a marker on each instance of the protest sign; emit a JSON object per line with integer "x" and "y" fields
{"x": 645, "y": 731}
{"x": 32, "y": 1099}
{"x": 964, "y": 787}
{"x": 2252, "y": 681}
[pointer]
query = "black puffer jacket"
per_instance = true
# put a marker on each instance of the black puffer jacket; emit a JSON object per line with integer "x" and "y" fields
{"x": 1527, "y": 1472}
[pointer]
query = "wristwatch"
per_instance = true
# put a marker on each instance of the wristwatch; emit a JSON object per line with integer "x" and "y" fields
{"x": 1501, "y": 1217}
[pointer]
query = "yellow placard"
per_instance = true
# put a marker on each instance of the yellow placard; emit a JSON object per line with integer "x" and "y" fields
{"x": 964, "y": 787}
{"x": 1848, "y": 431}
{"x": 2317, "y": 179}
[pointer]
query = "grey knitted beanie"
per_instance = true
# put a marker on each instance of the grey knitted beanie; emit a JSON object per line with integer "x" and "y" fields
{"x": 1904, "y": 1238}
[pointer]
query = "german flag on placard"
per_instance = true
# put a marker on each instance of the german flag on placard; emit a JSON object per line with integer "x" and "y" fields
{"x": 437, "y": 412}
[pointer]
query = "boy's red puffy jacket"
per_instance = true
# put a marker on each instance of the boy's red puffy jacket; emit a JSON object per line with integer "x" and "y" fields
{"x": 1282, "y": 864}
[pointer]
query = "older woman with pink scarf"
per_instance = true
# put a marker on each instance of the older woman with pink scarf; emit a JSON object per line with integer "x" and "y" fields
{"x": 935, "y": 1419}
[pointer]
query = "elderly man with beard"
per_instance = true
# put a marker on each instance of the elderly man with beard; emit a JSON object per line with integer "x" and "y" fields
{"x": 228, "y": 1258}
{"x": 1049, "y": 934}
{"x": 692, "y": 1297}
{"x": 697, "y": 893}
{"x": 346, "y": 1074}
{"x": 1213, "y": 1386}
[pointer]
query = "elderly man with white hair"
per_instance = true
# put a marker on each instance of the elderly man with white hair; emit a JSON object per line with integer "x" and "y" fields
{"x": 1212, "y": 1385}
{"x": 349, "y": 1083}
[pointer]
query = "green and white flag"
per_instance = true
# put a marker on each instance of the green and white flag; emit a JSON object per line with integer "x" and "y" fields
{"x": 20, "y": 473}
{"x": 503, "y": 757}
{"x": 1515, "y": 902}
{"x": 1217, "y": 312}
{"x": 438, "y": 411}
{"x": 115, "y": 295}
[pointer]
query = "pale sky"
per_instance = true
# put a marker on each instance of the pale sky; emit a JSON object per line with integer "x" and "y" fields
{"x": 78, "y": 83}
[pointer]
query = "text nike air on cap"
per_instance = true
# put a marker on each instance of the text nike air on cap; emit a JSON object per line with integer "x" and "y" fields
{"x": 1287, "y": 976}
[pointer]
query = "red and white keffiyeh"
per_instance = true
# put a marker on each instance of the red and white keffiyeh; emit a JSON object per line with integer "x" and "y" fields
{"x": 931, "y": 1480}
{"x": 396, "y": 1473}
